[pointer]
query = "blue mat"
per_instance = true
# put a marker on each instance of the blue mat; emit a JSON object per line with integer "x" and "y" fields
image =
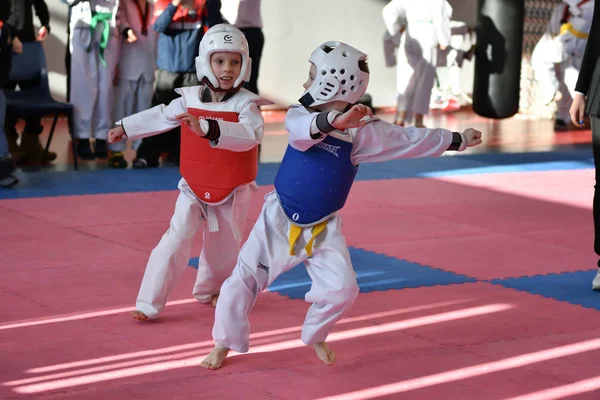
{"x": 375, "y": 272}
{"x": 65, "y": 183}
{"x": 571, "y": 287}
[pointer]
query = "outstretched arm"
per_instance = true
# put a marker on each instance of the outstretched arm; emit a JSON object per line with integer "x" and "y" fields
{"x": 154, "y": 121}
{"x": 381, "y": 141}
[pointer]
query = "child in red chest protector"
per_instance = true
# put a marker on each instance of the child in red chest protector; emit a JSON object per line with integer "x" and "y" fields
{"x": 221, "y": 127}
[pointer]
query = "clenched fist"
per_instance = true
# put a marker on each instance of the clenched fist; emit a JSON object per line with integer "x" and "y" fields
{"x": 352, "y": 118}
{"x": 473, "y": 137}
{"x": 116, "y": 134}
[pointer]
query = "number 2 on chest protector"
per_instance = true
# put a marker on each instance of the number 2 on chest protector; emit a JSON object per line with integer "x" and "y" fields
{"x": 207, "y": 195}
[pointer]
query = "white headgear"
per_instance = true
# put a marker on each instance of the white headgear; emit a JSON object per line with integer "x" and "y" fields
{"x": 339, "y": 76}
{"x": 222, "y": 38}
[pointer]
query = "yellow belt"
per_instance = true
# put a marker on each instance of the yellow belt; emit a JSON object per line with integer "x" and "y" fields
{"x": 568, "y": 27}
{"x": 295, "y": 232}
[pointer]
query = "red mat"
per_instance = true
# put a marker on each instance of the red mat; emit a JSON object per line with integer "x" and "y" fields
{"x": 424, "y": 343}
{"x": 70, "y": 276}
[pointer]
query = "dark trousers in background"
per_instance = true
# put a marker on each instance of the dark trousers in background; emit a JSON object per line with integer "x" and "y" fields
{"x": 167, "y": 142}
{"x": 256, "y": 42}
{"x": 596, "y": 207}
{"x": 33, "y": 125}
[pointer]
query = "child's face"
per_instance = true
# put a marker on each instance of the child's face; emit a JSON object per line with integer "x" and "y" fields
{"x": 226, "y": 67}
{"x": 312, "y": 74}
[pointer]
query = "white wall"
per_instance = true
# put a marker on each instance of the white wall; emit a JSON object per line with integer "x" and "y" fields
{"x": 293, "y": 28}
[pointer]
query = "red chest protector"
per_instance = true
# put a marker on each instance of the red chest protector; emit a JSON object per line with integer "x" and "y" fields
{"x": 214, "y": 173}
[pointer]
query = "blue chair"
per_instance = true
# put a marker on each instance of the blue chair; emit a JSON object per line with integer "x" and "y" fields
{"x": 38, "y": 101}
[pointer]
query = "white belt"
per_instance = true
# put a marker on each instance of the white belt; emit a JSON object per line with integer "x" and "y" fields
{"x": 211, "y": 219}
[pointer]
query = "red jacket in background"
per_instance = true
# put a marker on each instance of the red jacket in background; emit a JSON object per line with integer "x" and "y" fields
{"x": 182, "y": 14}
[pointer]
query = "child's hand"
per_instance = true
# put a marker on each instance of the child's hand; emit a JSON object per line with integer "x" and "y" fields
{"x": 352, "y": 118}
{"x": 473, "y": 137}
{"x": 116, "y": 134}
{"x": 192, "y": 122}
{"x": 131, "y": 37}
{"x": 42, "y": 34}
{"x": 17, "y": 46}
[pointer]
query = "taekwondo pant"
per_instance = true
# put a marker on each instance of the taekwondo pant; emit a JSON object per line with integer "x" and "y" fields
{"x": 131, "y": 97}
{"x": 265, "y": 256}
{"x": 92, "y": 84}
{"x": 417, "y": 61}
{"x": 219, "y": 250}
{"x": 453, "y": 56}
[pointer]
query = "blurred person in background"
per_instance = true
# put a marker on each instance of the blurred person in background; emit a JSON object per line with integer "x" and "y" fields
{"x": 30, "y": 149}
{"x": 7, "y": 179}
{"x": 135, "y": 70}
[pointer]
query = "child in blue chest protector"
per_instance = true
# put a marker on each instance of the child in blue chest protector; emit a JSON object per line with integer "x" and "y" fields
{"x": 329, "y": 138}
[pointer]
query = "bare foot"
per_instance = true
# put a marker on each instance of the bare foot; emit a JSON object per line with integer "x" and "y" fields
{"x": 215, "y": 358}
{"x": 324, "y": 353}
{"x": 214, "y": 299}
{"x": 140, "y": 316}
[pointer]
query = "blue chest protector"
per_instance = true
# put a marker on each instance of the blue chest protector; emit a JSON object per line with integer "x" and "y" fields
{"x": 313, "y": 184}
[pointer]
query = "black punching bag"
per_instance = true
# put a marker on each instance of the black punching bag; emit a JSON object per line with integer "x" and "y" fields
{"x": 498, "y": 58}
